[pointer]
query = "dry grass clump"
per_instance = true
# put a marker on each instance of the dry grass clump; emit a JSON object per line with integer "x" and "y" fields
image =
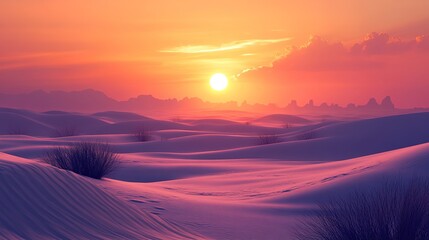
{"x": 94, "y": 160}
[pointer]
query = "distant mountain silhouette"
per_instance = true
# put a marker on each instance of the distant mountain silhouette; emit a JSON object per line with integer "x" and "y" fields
{"x": 387, "y": 103}
{"x": 87, "y": 100}
{"x": 371, "y": 107}
{"x": 95, "y": 101}
{"x": 90, "y": 100}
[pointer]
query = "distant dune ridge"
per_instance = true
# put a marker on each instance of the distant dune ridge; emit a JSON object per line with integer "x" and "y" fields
{"x": 94, "y": 101}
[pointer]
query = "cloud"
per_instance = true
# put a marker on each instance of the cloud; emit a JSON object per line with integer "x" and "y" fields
{"x": 224, "y": 47}
{"x": 377, "y": 65}
{"x": 320, "y": 55}
{"x": 382, "y": 43}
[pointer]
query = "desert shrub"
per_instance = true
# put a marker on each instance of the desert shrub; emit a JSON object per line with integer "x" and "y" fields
{"x": 93, "y": 160}
{"x": 268, "y": 139}
{"x": 396, "y": 211}
{"x": 67, "y": 131}
{"x": 142, "y": 135}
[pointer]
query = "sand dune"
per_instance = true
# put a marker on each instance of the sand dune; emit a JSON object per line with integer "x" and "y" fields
{"x": 42, "y": 202}
{"x": 16, "y": 124}
{"x": 282, "y": 119}
{"x": 120, "y": 116}
{"x": 336, "y": 141}
{"x": 201, "y": 178}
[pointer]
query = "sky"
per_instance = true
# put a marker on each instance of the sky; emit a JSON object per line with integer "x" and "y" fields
{"x": 272, "y": 51}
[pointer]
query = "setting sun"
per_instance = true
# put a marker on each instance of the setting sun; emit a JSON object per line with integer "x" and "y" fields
{"x": 218, "y": 81}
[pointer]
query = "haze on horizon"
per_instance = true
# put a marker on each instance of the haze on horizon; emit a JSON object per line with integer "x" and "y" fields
{"x": 271, "y": 51}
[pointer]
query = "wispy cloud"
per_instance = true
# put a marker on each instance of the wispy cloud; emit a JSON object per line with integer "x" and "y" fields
{"x": 189, "y": 49}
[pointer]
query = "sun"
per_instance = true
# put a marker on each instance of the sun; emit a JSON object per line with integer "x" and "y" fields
{"x": 219, "y": 81}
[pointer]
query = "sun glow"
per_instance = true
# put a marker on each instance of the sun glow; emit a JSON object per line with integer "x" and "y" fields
{"x": 218, "y": 81}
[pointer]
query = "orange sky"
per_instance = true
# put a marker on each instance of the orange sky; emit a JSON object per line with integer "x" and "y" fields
{"x": 170, "y": 48}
